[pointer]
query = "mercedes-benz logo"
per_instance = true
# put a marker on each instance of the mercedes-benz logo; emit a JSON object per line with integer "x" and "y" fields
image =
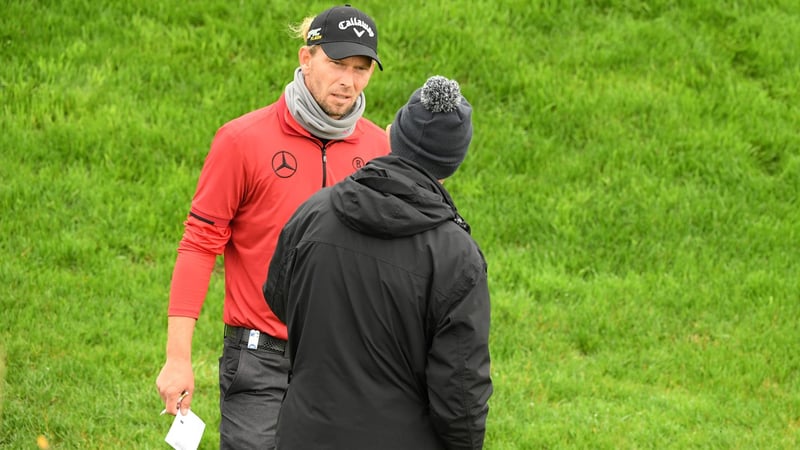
{"x": 284, "y": 164}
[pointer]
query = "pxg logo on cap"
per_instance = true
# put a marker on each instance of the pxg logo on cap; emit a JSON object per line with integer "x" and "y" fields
{"x": 344, "y": 31}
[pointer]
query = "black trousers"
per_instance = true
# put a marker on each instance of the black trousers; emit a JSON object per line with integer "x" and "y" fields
{"x": 252, "y": 384}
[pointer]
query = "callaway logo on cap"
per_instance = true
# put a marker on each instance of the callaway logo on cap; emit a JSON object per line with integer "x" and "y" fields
{"x": 344, "y": 31}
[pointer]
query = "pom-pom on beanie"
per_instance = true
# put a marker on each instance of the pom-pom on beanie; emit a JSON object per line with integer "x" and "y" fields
{"x": 434, "y": 128}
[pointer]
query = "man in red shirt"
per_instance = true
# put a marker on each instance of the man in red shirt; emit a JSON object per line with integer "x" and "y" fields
{"x": 260, "y": 167}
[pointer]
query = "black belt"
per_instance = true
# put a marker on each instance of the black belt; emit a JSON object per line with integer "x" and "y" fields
{"x": 265, "y": 341}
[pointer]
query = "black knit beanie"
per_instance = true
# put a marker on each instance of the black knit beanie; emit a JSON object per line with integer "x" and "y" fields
{"x": 434, "y": 128}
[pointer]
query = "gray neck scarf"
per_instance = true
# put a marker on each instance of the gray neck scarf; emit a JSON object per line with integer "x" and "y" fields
{"x": 307, "y": 112}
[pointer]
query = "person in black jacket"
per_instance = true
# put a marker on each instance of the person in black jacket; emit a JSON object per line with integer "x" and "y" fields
{"x": 385, "y": 296}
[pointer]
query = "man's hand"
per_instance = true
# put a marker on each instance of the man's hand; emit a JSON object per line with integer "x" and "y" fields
{"x": 177, "y": 377}
{"x": 175, "y": 385}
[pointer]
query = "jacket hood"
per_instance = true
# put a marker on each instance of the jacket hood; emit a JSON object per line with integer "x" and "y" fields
{"x": 393, "y": 197}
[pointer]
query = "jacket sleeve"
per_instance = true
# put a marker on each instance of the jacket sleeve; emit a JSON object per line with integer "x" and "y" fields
{"x": 459, "y": 382}
{"x": 276, "y": 286}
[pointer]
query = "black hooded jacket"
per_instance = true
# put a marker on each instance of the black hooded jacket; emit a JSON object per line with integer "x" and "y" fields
{"x": 385, "y": 297}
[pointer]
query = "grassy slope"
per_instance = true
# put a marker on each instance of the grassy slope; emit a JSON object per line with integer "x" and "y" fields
{"x": 633, "y": 181}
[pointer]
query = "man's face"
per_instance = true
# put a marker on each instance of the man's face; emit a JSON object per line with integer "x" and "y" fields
{"x": 335, "y": 83}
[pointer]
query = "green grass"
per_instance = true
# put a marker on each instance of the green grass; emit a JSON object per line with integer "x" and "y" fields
{"x": 633, "y": 181}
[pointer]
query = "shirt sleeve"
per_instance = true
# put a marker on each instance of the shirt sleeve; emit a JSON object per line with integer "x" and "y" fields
{"x": 223, "y": 181}
{"x": 197, "y": 254}
{"x": 207, "y": 229}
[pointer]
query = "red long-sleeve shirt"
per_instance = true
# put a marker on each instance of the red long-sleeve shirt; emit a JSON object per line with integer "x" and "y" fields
{"x": 261, "y": 166}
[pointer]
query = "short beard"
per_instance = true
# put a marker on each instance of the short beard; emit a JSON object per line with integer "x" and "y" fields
{"x": 328, "y": 111}
{"x": 335, "y": 116}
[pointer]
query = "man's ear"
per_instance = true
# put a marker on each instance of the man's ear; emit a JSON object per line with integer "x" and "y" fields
{"x": 304, "y": 56}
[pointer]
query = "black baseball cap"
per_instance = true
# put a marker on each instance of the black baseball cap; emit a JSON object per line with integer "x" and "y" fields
{"x": 344, "y": 31}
